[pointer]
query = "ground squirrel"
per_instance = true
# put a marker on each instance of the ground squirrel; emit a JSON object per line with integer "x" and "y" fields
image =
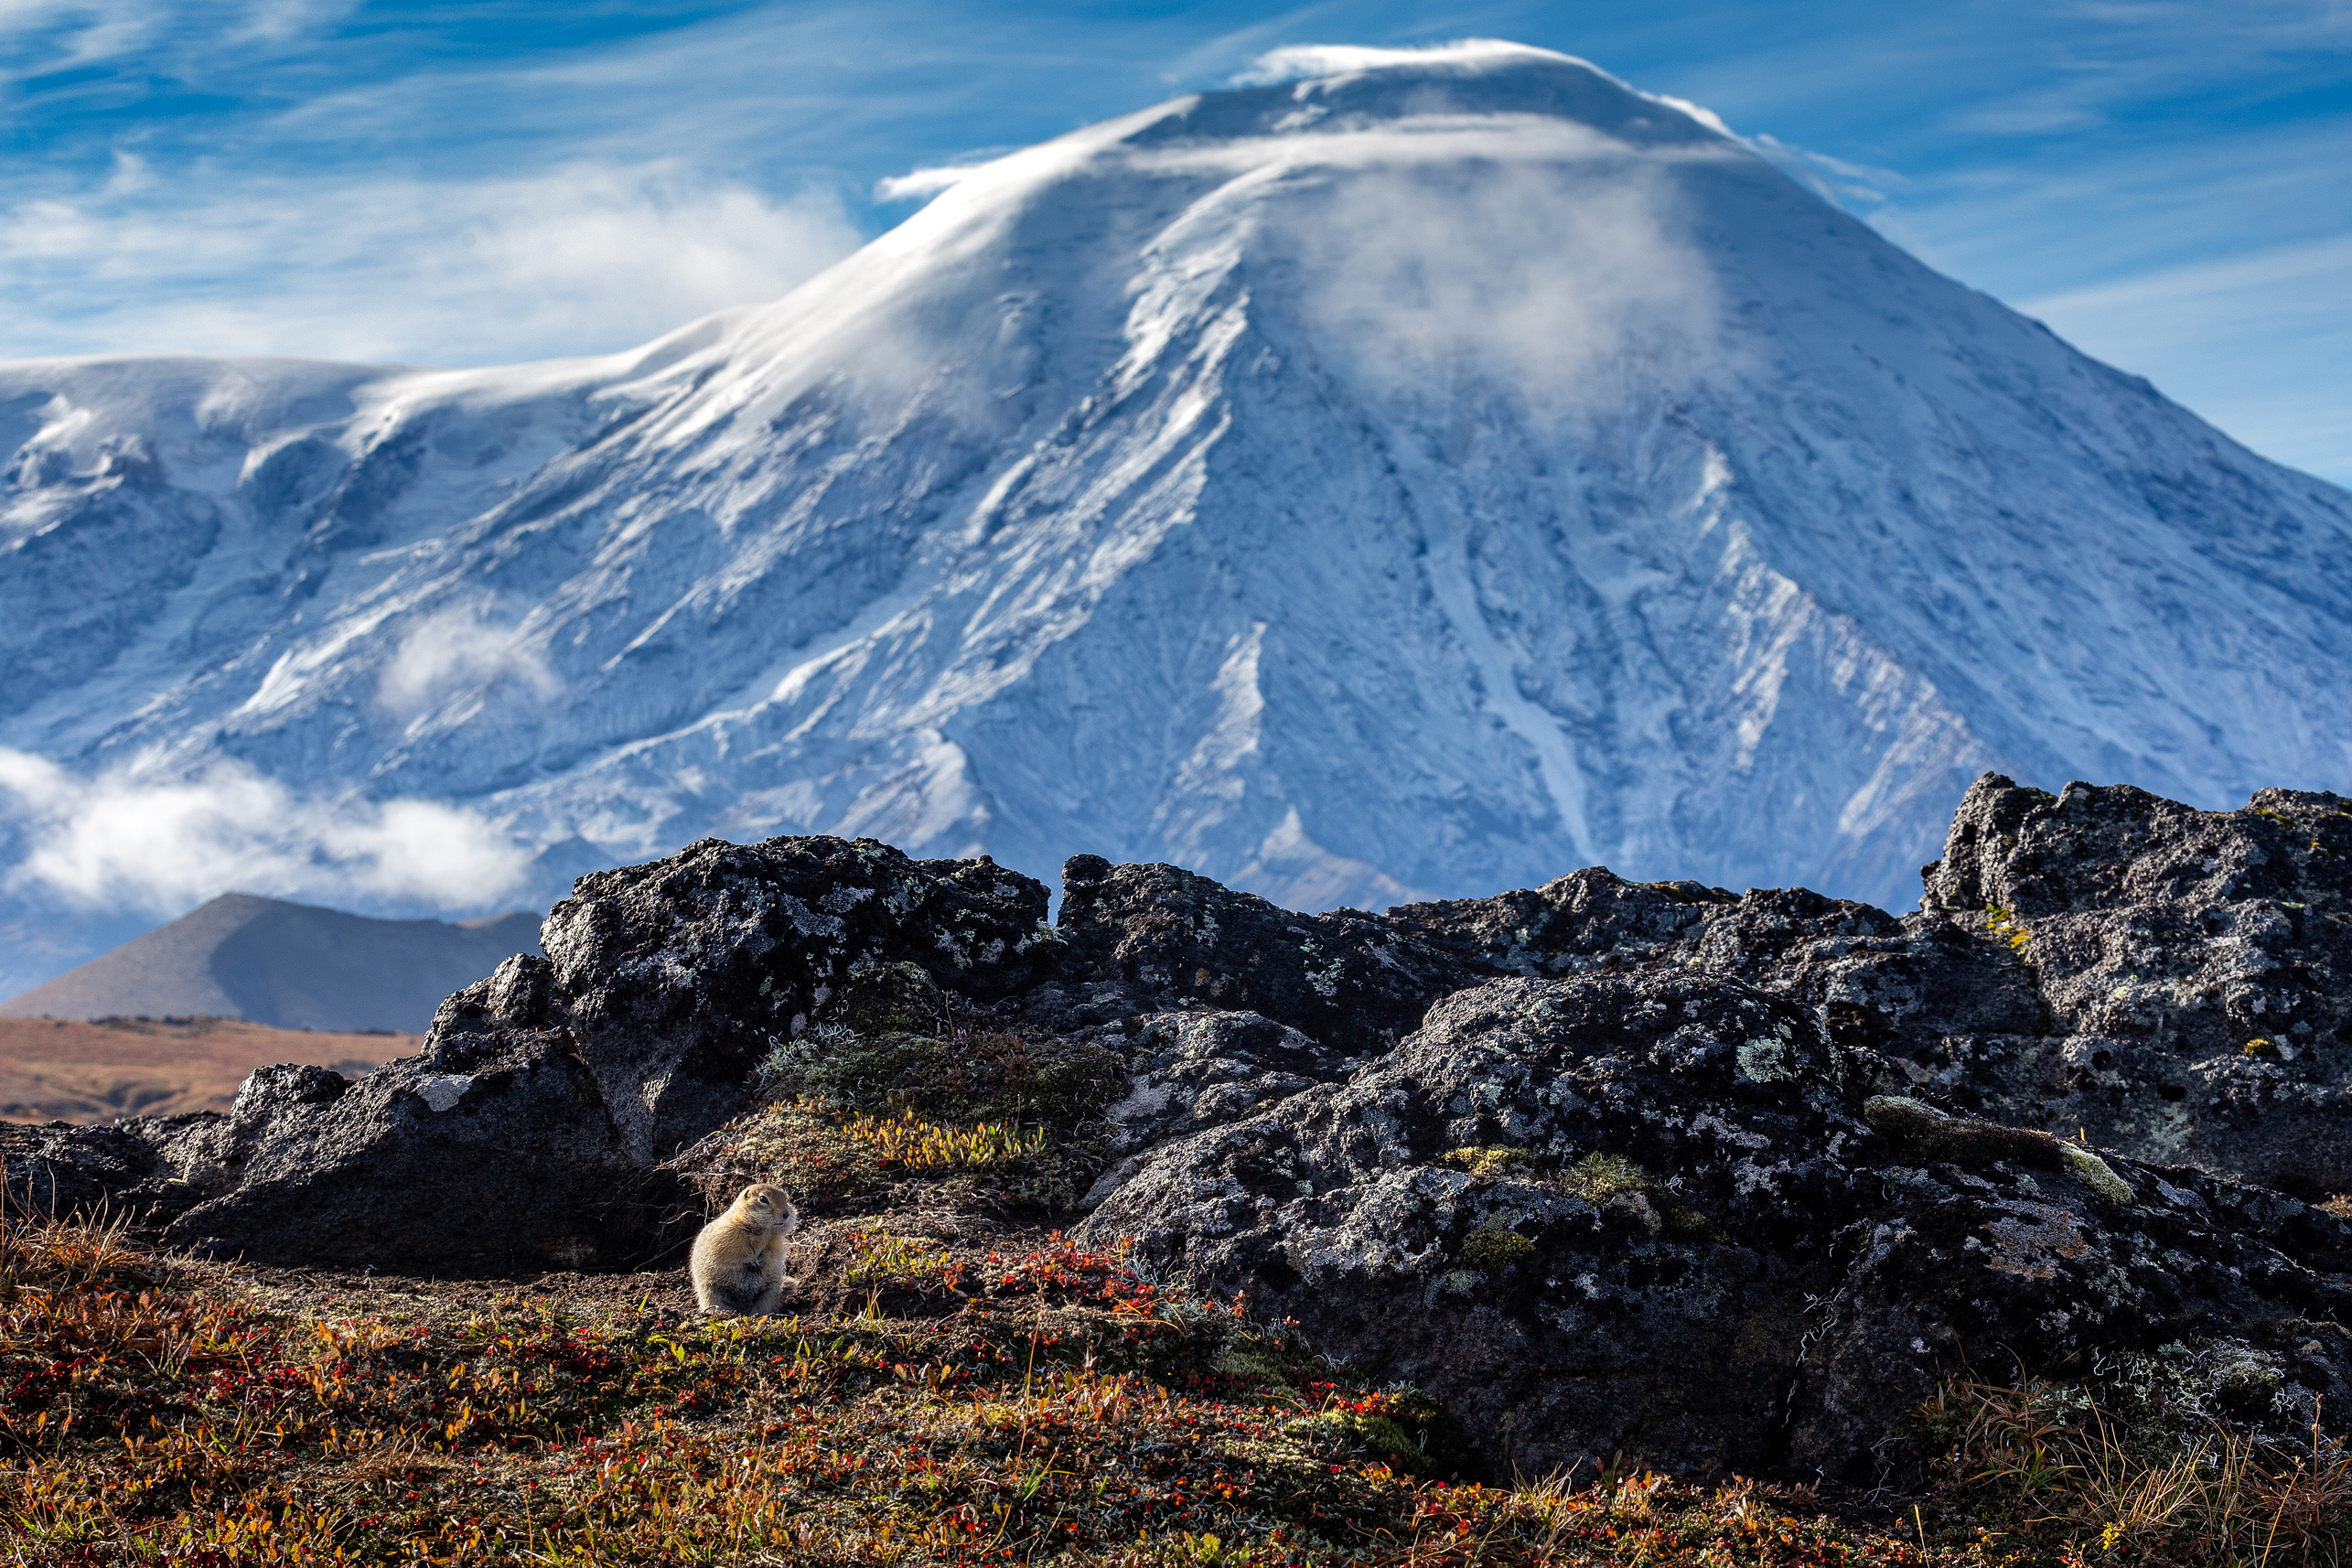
{"x": 738, "y": 1260}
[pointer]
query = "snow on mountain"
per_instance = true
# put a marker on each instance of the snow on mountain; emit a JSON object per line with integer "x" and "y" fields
{"x": 1419, "y": 479}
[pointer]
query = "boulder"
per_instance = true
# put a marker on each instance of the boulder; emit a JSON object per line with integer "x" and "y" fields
{"x": 1192, "y": 1070}
{"x": 530, "y": 1131}
{"x": 675, "y": 978}
{"x": 1144, "y": 938}
{"x": 1660, "y": 1214}
{"x": 491, "y": 1151}
{"x": 1587, "y": 919}
{"x": 2195, "y": 967}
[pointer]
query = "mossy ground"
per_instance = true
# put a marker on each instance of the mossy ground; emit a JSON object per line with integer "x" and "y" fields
{"x": 887, "y": 1090}
{"x": 933, "y": 1403}
{"x": 956, "y": 1385}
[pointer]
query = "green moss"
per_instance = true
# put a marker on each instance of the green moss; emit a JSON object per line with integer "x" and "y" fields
{"x": 1597, "y": 1178}
{"x": 1923, "y": 1135}
{"x": 1494, "y": 1247}
{"x": 1492, "y": 1160}
{"x": 1685, "y": 1223}
{"x": 2259, "y": 1048}
{"x": 2097, "y": 1174}
{"x": 1400, "y": 1426}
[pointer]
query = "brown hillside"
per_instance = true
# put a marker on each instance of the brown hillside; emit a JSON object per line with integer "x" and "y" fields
{"x": 65, "y": 1070}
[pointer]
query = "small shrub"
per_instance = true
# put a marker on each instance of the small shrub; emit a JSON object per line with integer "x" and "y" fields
{"x": 887, "y": 1258}
{"x": 905, "y": 1144}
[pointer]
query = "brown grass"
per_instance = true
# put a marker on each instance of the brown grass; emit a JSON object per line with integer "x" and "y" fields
{"x": 2075, "y": 1484}
{"x": 1045, "y": 1406}
{"x": 58, "y": 1070}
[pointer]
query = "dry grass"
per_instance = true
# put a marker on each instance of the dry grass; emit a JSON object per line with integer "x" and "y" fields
{"x": 2068, "y": 1483}
{"x": 67, "y": 1070}
{"x": 1045, "y": 1406}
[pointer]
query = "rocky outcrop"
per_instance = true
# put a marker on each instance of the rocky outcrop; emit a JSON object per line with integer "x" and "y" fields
{"x": 675, "y": 978}
{"x": 1142, "y": 937}
{"x": 1660, "y": 1214}
{"x": 528, "y": 1131}
{"x": 64, "y": 1169}
{"x": 2170, "y": 982}
{"x": 2196, "y": 969}
{"x": 491, "y": 1151}
{"x": 1587, "y": 919}
{"x": 1193, "y": 1071}
{"x": 1649, "y": 1167}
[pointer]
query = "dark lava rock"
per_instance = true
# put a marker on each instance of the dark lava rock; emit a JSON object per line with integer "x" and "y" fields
{"x": 59, "y": 1169}
{"x": 2170, "y": 982}
{"x": 1192, "y": 1070}
{"x": 1166, "y": 938}
{"x": 1649, "y": 1214}
{"x": 1587, "y": 919}
{"x": 529, "y": 1131}
{"x": 676, "y": 977}
{"x": 2196, "y": 969}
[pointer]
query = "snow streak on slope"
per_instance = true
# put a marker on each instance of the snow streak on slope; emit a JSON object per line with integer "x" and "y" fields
{"x": 1423, "y": 478}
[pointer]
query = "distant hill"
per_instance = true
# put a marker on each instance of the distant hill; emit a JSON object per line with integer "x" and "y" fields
{"x": 293, "y": 966}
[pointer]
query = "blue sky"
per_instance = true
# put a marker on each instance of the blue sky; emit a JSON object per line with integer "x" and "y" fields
{"x": 2169, "y": 185}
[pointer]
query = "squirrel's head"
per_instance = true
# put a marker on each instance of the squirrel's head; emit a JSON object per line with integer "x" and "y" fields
{"x": 767, "y": 1207}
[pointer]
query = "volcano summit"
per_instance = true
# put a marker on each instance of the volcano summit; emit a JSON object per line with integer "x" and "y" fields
{"x": 1412, "y": 481}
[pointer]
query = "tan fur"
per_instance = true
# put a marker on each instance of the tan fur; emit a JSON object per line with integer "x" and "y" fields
{"x": 737, "y": 1263}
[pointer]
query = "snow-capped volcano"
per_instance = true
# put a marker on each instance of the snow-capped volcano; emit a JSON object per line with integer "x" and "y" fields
{"x": 1420, "y": 479}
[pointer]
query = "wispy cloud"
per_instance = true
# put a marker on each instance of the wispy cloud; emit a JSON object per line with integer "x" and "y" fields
{"x": 462, "y": 649}
{"x": 133, "y": 839}
{"x": 579, "y": 259}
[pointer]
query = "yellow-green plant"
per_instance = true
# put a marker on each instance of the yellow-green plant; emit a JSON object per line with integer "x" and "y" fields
{"x": 912, "y": 1144}
{"x": 1490, "y": 1160}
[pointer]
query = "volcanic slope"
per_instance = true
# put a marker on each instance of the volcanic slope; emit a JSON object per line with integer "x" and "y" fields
{"x": 1417, "y": 481}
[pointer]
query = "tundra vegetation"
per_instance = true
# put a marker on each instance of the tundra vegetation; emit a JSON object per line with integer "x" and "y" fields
{"x": 959, "y": 1383}
{"x": 1602, "y": 1223}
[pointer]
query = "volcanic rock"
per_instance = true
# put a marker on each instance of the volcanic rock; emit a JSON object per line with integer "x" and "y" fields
{"x": 1649, "y": 1169}
{"x": 1163, "y": 935}
{"x": 1651, "y": 1215}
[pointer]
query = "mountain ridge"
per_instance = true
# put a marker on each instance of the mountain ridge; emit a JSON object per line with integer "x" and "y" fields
{"x": 1413, "y": 481}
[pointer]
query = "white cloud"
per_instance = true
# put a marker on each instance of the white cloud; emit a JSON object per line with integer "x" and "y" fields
{"x": 915, "y": 184}
{"x": 1565, "y": 273}
{"x": 133, "y": 839}
{"x": 459, "y": 648}
{"x": 1297, "y": 62}
{"x": 585, "y": 258}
